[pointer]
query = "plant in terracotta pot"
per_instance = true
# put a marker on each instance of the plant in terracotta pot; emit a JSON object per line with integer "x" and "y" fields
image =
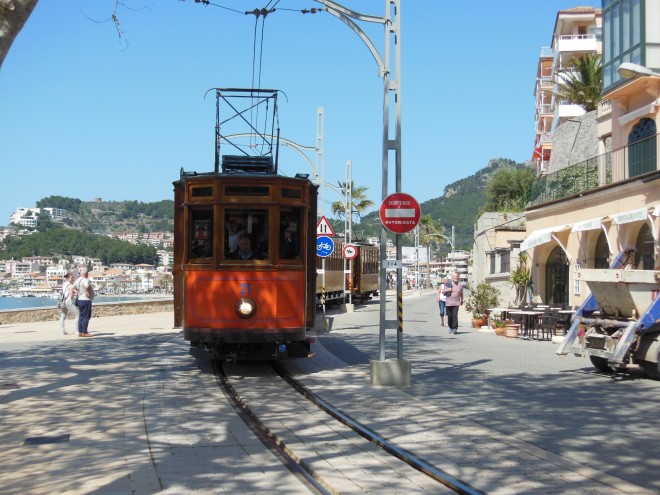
{"x": 479, "y": 299}
{"x": 511, "y": 329}
{"x": 500, "y": 326}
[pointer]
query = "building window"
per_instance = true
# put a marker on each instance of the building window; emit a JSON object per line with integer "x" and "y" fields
{"x": 622, "y": 26}
{"x": 492, "y": 262}
{"x": 642, "y": 153}
{"x": 505, "y": 261}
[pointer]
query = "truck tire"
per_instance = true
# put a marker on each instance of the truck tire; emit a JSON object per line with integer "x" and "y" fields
{"x": 600, "y": 364}
{"x": 652, "y": 370}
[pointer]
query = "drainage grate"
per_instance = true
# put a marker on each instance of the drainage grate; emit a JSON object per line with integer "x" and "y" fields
{"x": 46, "y": 439}
{"x": 9, "y": 386}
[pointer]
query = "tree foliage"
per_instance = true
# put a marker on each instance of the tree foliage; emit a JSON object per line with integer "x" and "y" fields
{"x": 66, "y": 243}
{"x": 359, "y": 201}
{"x": 582, "y": 81}
{"x": 509, "y": 189}
{"x": 71, "y": 205}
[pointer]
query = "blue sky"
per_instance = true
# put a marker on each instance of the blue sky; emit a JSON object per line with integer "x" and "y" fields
{"x": 84, "y": 114}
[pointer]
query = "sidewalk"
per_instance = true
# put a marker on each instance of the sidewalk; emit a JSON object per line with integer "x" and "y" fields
{"x": 91, "y": 402}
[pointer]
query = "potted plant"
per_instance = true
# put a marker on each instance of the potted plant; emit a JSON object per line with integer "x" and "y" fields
{"x": 511, "y": 329}
{"x": 521, "y": 278}
{"x": 479, "y": 299}
{"x": 500, "y": 326}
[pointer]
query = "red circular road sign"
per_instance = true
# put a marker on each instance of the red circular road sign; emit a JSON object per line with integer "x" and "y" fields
{"x": 350, "y": 251}
{"x": 399, "y": 213}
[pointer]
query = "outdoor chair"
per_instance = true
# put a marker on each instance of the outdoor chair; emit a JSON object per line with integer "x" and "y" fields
{"x": 548, "y": 323}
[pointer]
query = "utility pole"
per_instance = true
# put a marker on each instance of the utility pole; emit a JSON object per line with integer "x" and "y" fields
{"x": 394, "y": 372}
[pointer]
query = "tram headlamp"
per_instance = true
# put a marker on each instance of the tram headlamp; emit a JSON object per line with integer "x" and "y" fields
{"x": 245, "y": 307}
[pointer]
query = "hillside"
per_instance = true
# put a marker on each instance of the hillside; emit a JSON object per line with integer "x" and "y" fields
{"x": 459, "y": 205}
{"x": 114, "y": 217}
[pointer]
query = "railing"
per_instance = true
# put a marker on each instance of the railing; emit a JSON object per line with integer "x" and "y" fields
{"x": 636, "y": 159}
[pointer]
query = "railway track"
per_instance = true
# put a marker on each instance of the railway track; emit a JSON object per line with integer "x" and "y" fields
{"x": 335, "y": 453}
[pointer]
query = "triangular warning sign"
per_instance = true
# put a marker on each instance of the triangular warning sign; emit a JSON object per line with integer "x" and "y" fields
{"x": 324, "y": 227}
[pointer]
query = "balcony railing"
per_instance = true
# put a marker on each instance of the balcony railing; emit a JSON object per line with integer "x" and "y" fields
{"x": 618, "y": 165}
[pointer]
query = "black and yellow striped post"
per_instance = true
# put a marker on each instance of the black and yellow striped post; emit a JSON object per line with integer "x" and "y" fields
{"x": 399, "y": 340}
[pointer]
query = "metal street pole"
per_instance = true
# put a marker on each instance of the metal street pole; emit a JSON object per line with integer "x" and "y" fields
{"x": 391, "y": 90}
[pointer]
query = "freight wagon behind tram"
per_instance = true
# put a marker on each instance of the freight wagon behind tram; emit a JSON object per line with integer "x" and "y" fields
{"x": 244, "y": 260}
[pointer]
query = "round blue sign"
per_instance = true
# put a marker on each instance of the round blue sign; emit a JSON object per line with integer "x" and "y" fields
{"x": 324, "y": 246}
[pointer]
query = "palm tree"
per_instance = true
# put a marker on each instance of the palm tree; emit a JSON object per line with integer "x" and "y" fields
{"x": 582, "y": 81}
{"x": 360, "y": 203}
{"x": 429, "y": 230}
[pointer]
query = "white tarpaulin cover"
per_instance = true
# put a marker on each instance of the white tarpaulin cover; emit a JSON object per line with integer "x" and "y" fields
{"x": 591, "y": 224}
{"x": 542, "y": 236}
{"x": 630, "y": 216}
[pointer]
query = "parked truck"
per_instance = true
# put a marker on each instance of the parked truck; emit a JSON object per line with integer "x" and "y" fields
{"x": 618, "y": 326}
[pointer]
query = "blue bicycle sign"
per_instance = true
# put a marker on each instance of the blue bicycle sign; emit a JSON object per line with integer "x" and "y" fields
{"x": 324, "y": 246}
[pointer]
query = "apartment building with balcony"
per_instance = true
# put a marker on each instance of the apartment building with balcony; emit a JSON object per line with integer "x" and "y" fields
{"x": 577, "y": 32}
{"x": 586, "y": 212}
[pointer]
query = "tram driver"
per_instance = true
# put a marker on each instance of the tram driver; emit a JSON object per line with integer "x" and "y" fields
{"x": 244, "y": 251}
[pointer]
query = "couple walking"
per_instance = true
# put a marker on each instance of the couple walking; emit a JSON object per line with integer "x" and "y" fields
{"x": 77, "y": 300}
{"x": 450, "y": 297}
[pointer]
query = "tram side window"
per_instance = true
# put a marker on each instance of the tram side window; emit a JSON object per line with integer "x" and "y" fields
{"x": 290, "y": 233}
{"x": 246, "y": 235}
{"x": 201, "y": 237}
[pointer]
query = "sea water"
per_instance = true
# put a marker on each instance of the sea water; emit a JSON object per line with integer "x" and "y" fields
{"x": 48, "y": 302}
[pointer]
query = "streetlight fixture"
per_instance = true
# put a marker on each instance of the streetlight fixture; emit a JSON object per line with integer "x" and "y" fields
{"x": 628, "y": 70}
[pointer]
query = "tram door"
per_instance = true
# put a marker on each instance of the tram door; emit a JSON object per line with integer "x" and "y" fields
{"x": 556, "y": 279}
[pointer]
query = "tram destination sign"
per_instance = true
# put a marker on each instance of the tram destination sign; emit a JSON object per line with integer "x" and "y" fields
{"x": 400, "y": 213}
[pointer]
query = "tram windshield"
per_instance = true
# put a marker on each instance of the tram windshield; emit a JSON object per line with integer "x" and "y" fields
{"x": 246, "y": 234}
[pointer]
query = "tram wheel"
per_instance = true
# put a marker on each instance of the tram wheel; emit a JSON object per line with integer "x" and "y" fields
{"x": 600, "y": 364}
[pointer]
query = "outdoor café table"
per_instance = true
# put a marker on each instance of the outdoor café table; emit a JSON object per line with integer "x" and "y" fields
{"x": 528, "y": 321}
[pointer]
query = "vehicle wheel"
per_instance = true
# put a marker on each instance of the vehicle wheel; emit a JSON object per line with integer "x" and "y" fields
{"x": 652, "y": 370}
{"x": 600, "y": 364}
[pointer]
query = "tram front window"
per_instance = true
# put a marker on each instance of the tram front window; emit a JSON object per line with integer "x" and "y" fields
{"x": 246, "y": 234}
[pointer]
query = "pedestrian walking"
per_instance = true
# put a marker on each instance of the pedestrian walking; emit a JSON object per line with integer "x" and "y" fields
{"x": 85, "y": 292}
{"x": 66, "y": 302}
{"x": 442, "y": 300}
{"x": 454, "y": 292}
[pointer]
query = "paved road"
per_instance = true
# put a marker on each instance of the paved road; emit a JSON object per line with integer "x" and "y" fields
{"x": 508, "y": 416}
{"x": 517, "y": 387}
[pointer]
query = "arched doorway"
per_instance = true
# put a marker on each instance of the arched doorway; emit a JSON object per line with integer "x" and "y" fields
{"x": 644, "y": 245}
{"x": 602, "y": 252}
{"x": 642, "y": 148}
{"x": 556, "y": 279}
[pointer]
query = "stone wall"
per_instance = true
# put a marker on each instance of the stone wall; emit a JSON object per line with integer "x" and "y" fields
{"x": 98, "y": 310}
{"x": 574, "y": 141}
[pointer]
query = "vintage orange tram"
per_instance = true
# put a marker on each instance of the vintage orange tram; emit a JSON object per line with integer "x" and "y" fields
{"x": 245, "y": 242}
{"x": 245, "y": 260}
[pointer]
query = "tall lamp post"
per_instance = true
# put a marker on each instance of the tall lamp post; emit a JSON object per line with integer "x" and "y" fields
{"x": 395, "y": 372}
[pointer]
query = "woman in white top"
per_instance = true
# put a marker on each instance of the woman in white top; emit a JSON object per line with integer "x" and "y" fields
{"x": 442, "y": 299}
{"x": 66, "y": 305}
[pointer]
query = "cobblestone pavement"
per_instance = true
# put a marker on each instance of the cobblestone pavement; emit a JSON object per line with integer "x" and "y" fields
{"x": 508, "y": 416}
{"x": 517, "y": 387}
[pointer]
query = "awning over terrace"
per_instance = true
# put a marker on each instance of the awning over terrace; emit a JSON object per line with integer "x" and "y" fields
{"x": 543, "y": 236}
